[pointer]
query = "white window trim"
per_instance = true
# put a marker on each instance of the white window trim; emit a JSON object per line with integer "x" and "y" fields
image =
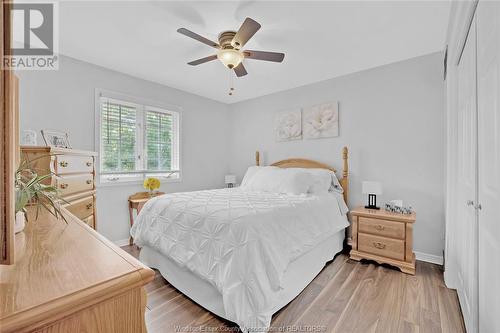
{"x": 138, "y": 101}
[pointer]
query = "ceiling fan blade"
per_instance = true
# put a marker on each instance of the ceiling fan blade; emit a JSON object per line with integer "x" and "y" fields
{"x": 202, "y": 60}
{"x": 199, "y": 38}
{"x": 240, "y": 70}
{"x": 247, "y": 30}
{"x": 262, "y": 55}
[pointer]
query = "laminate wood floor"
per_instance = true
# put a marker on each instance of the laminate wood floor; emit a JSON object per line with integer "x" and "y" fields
{"x": 347, "y": 296}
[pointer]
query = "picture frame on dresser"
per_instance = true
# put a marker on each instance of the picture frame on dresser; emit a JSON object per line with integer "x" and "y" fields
{"x": 54, "y": 138}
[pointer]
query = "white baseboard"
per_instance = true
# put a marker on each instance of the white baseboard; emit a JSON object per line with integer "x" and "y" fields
{"x": 121, "y": 242}
{"x": 433, "y": 259}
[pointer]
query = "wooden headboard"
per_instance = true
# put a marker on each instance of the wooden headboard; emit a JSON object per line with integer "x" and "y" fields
{"x": 310, "y": 164}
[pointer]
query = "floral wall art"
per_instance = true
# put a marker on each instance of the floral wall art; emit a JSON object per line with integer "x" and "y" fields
{"x": 321, "y": 121}
{"x": 288, "y": 125}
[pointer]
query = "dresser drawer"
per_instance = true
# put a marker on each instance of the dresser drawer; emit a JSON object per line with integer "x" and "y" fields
{"x": 381, "y": 227}
{"x": 65, "y": 164}
{"x": 73, "y": 184}
{"x": 82, "y": 208}
{"x": 382, "y": 246}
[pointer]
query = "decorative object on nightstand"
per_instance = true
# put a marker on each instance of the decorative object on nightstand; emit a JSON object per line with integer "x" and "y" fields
{"x": 384, "y": 237}
{"x": 396, "y": 206}
{"x": 136, "y": 201}
{"x": 372, "y": 189}
{"x": 151, "y": 184}
{"x": 230, "y": 180}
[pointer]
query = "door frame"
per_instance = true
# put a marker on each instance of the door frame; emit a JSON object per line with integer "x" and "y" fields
{"x": 9, "y": 136}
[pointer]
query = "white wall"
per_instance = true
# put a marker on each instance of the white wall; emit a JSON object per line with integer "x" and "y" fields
{"x": 64, "y": 100}
{"x": 392, "y": 120}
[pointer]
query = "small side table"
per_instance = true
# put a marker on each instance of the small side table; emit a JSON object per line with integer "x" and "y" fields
{"x": 383, "y": 237}
{"x": 136, "y": 201}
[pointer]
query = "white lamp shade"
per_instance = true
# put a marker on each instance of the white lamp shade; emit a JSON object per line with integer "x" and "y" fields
{"x": 370, "y": 187}
{"x": 230, "y": 179}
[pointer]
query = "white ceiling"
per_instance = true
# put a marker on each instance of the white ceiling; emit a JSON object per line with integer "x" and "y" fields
{"x": 321, "y": 40}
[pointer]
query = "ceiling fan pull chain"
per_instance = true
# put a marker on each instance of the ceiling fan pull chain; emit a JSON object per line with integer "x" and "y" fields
{"x": 230, "y": 83}
{"x": 231, "y": 87}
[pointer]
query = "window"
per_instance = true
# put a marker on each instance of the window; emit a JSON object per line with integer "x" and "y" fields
{"x": 137, "y": 141}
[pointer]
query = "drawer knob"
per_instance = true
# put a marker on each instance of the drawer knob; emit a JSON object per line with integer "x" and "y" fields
{"x": 89, "y": 181}
{"x": 379, "y": 245}
{"x": 64, "y": 186}
{"x": 63, "y": 164}
{"x": 379, "y": 227}
{"x": 89, "y": 206}
{"x": 88, "y": 164}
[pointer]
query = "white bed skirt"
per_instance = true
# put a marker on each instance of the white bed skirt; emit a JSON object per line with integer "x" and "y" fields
{"x": 298, "y": 275}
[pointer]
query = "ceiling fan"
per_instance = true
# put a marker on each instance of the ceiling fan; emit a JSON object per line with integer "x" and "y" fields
{"x": 229, "y": 47}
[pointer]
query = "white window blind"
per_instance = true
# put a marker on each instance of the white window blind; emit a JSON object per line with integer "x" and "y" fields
{"x": 137, "y": 141}
{"x": 118, "y": 136}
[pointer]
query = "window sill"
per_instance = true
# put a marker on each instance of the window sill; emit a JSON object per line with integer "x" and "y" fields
{"x": 135, "y": 182}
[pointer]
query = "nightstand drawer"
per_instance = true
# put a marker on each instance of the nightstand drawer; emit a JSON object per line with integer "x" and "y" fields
{"x": 385, "y": 247}
{"x": 381, "y": 227}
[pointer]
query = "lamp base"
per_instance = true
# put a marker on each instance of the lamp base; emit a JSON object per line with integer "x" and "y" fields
{"x": 372, "y": 202}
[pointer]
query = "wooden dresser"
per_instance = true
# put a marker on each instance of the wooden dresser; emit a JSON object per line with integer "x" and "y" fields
{"x": 74, "y": 176}
{"x": 68, "y": 278}
{"x": 383, "y": 237}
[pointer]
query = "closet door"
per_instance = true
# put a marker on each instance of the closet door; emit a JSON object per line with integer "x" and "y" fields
{"x": 467, "y": 182}
{"x": 488, "y": 80}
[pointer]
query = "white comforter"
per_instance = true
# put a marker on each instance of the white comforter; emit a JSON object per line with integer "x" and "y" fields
{"x": 239, "y": 241}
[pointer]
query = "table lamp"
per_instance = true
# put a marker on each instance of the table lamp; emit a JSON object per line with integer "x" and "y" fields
{"x": 372, "y": 189}
{"x": 230, "y": 180}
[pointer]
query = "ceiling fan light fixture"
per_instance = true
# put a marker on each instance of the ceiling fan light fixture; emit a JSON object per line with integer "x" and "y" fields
{"x": 229, "y": 48}
{"x": 230, "y": 57}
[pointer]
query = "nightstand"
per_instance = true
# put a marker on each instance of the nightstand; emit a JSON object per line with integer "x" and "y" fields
{"x": 136, "y": 201}
{"x": 383, "y": 237}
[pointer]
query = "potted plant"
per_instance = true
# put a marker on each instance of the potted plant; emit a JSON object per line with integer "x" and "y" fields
{"x": 31, "y": 190}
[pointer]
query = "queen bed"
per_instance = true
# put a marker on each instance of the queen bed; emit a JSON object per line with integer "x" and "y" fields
{"x": 244, "y": 253}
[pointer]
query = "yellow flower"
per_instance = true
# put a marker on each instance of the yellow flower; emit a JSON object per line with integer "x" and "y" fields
{"x": 151, "y": 183}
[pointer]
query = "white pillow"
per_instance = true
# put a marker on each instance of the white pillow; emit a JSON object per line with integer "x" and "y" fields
{"x": 251, "y": 171}
{"x": 322, "y": 180}
{"x": 277, "y": 180}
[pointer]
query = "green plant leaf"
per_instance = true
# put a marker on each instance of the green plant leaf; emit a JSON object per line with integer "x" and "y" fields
{"x": 30, "y": 188}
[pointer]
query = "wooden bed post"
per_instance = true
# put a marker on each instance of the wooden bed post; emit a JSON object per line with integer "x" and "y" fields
{"x": 257, "y": 158}
{"x": 345, "y": 173}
